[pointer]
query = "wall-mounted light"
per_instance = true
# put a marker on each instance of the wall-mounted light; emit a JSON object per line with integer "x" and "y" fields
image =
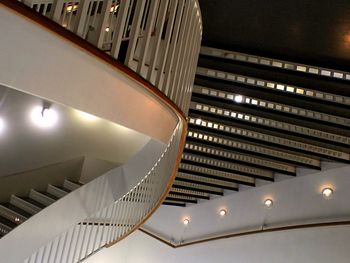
{"x": 268, "y": 203}
{"x": 44, "y": 116}
{"x": 222, "y": 212}
{"x": 186, "y": 221}
{"x": 327, "y": 192}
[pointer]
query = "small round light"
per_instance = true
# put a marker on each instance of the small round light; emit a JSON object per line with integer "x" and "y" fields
{"x": 107, "y": 29}
{"x": 268, "y": 203}
{"x": 44, "y": 117}
{"x": 186, "y": 221}
{"x": 238, "y": 98}
{"x": 16, "y": 219}
{"x": 327, "y": 192}
{"x": 198, "y": 121}
{"x": 222, "y": 212}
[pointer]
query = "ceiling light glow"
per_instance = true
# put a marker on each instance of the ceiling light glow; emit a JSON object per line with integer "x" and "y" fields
{"x": 44, "y": 117}
{"x": 222, "y": 212}
{"x": 198, "y": 121}
{"x": 107, "y": 29}
{"x": 86, "y": 116}
{"x": 238, "y": 98}
{"x": 186, "y": 221}
{"x": 268, "y": 203}
{"x": 327, "y": 192}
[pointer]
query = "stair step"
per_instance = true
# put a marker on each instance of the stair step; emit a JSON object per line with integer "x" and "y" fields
{"x": 40, "y": 198}
{"x": 17, "y": 210}
{"x": 56, "y": 191}
{"x": 12, "y": 215}
{"x": 4, "y": 229}
{"x": 6, "y": 222}
{"x": 71, "y": 186}
{"x": 24, "y": 204}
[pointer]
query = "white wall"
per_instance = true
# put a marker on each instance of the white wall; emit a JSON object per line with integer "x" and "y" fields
{"x": 318, "y": 245}
{"x": 37, "y": 61}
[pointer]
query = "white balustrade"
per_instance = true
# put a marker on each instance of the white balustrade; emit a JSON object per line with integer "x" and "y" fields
{"x": 158, "y": 39}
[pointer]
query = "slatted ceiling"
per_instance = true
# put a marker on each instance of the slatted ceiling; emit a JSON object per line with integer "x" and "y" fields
{"x": 174, "y": 203}
{"x": 276, "y": 86}
{"x": 275, "y": 63}
{"x": 216, "y": 174}
{"x": 268, "y": 123}
{"x": 181, "y": 198}
{"x": 198, "y": 187}
{"x": 271, "y": 152}
{"x": 189, "y": 193}
{"x": 276, "y": 126}
{"x": 200, "y": 180}
{"x": 270, "y": 139}
{"x": 237, "y": 156}
{"x": 269, "y": 105}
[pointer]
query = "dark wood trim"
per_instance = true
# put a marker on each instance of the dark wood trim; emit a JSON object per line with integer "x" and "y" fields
{"x": 246, "y": 233}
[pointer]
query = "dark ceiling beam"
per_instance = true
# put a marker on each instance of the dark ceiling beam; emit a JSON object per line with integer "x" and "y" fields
{"x": 199, "y": 188}
{"x": 188, "y": 193}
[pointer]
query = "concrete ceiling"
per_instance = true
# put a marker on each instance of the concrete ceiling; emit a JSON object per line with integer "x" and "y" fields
{"x": 24, "y": 145}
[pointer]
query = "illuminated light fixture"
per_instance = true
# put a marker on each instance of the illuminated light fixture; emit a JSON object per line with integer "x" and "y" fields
{"x": 107, "y": 29}
{"x": 71, "y": 8}
{"x": 222, "y": 212}
{"x": 198, "y": 121}
{"x": 114, "y": 8}
{"x": 16, "y": 219}
{"x": 238, "y": 98}
{"x": 2, "y": 125}
{"x": 44, "y": 117}
{"x": 186, "y": 221}
{"x": 268, "y": 203}
{"x": 327, "y": 192}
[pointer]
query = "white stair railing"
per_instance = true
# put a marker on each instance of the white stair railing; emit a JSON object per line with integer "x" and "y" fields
{"x": 158, "y": 39}
{"x": 115, "y": 221}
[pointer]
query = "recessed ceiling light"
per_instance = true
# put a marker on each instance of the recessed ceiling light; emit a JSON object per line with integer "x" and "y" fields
{"x": 198, "y": 121}
{"x": 107, "y": 29}
{"x": 268, "y": 203}
{"x": 222, "y": 212}
{"x": 238, "y": 98}
{"x": 44, "y": 117}
{"x": 327, "y": 192}
{"x": 186, "y": 221}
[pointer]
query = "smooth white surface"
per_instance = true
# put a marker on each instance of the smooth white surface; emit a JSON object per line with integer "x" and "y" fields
{"x": 317, "y": 245}
{"x": 40, "y": 62}
{"x": 296, "y": 200}
{"x": 25, "y": 145}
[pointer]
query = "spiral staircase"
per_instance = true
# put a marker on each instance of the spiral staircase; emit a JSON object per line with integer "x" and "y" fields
{"x": 131, "y": 62}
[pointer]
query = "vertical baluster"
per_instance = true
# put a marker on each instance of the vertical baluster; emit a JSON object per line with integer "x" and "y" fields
{"x": 145, "y": 41}
{"x": 102, "y": 23}
{"x": 134, "y": 34}
{"x": 76, "y": 243}
{"x": 111, "y": 223}
{"x": 178, "y": 73}
{"x": 154, "y": 49}
{"x": 123, "y": 11}
{"x": 60, "y": 257}
{"x": 164, "y": 52}
{"x": 70, "y": 252}
{"x": 81, "y": 17}
{"x": 180, "y": 18}
{"x": 186, "y": 61}
{"x": 57, "y": 249}
{"x": 57, "y": 7}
